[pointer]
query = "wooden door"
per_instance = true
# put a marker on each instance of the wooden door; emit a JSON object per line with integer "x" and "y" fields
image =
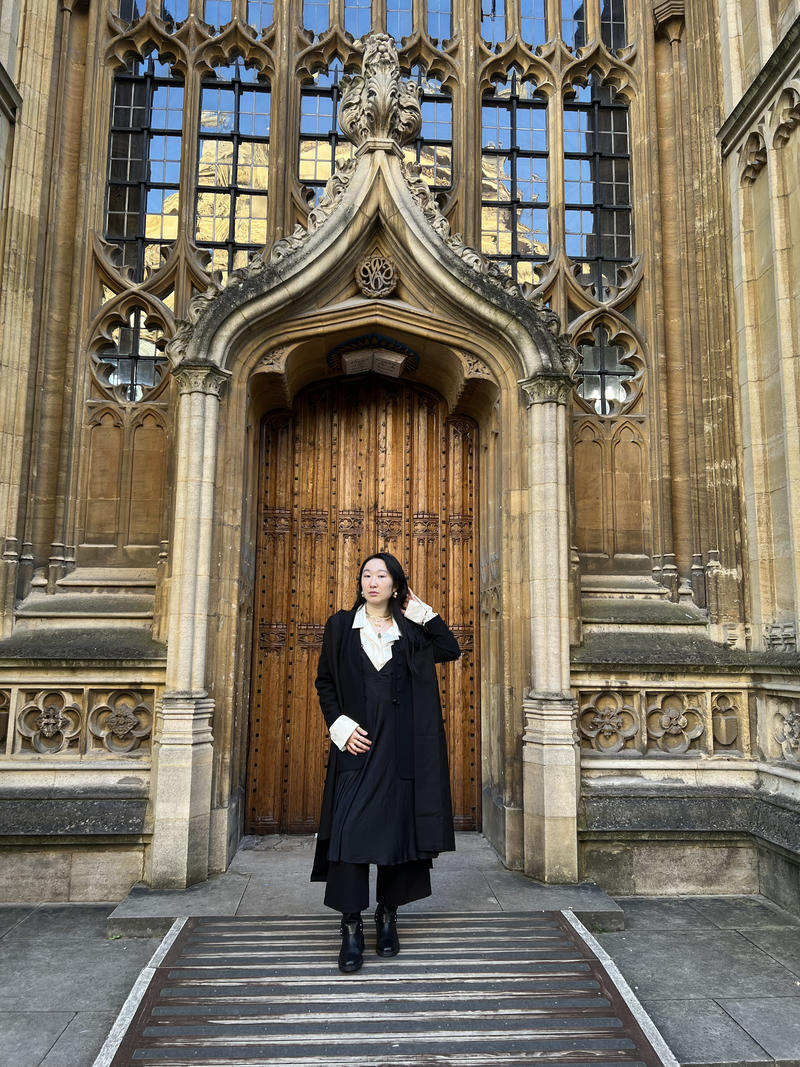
{"x": 359, "y": 466}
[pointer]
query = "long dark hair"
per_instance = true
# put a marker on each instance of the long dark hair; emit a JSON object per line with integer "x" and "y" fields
{"x": 398, "y": 576}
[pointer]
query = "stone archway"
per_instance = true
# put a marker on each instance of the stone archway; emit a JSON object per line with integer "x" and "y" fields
{"x": 483, "y": 347}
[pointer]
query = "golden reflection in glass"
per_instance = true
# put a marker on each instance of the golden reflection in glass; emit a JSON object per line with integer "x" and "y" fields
{"x": 213, "y": 217}
{"x": 252, "y": 170}
{"x": 216, "y": 162}
{"x": 250, "y": 226}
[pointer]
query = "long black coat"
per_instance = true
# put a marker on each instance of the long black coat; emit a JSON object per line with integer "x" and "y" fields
{"x": 422, "y": 752}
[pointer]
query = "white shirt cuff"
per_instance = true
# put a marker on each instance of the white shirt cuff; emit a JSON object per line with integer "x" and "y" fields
{"x": 420, "y": 613}
{"x": 341, "y": 730}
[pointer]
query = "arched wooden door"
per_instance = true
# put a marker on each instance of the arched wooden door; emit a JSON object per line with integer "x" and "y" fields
{"x": 358, "y": 466}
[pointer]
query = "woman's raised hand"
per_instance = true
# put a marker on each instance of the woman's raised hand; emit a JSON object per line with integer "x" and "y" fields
{"x": 358, "y": 742}
{"x": 411, "y": 596}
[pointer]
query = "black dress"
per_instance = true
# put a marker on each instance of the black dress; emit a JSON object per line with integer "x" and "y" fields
{"x": 373, "y": 809}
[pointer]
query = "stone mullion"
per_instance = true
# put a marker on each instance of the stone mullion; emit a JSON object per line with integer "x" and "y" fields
{"x": 555, "y": 191}
{"x": 467, "y": 130}
{"x": 190, "y": 138}
{"x": 284, "y": 119}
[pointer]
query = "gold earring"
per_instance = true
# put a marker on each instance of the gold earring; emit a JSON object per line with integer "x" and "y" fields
{"x": 394, "y": 593}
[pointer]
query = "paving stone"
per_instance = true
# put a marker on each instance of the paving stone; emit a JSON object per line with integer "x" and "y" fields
{"x": 275, "y": 896}
{"x": 64, "y": 922}
{"x": 774, "y": 1022}
{"x": 658, "y": 913}
{"x": 595, "y": 909}
{"x": 782, "y": 945}
{"x": 13, "y": 914}
{"x": 81, "y": 1041}
{"x": 702, "y": 1034}
{"x": 27, "y": 1037}
{"x": 218, "y": 896}
{"x": 91, "y": 975}
{"x": 697, "y": 964}
{"x": 737, "y": 913}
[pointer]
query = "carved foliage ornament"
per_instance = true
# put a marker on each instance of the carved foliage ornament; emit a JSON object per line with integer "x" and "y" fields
{"x": 122, "y": 722}
{"x": 50, "y": 722}
{"x": 608, "y": 721}
{"x": 787, "y": 730}
{"x": 673, "y": 722}
{"x": 377, "y": 105}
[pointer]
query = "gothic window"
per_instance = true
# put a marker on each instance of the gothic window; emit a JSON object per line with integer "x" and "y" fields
{"x": 174, "y": 11}
{"x": 358, "y": 17}
{"x": 132, "y": 365}
{"x": 597, "y": 184}
{"x": 233, "y": 165}
{"x": 433, "y": 148}
{"x": 399, "y": 19}
{"x": 259, "y": 14}
{"x": 612, "y": 24}
{"x": 493, "y": 22}
{"x": 602, "y": 374}
{"x": 144, "y": 160}
{"x": 322, "y": 144}
{"x": 316, "y": 16}
{"x": 439, "y": 20}
{"x": 573, "y": 23}
{"x": 533, "y": 22}
{"x": 218, "y": 12}
{"x": 514, "y": 202}
{"x": 130, "y": 10}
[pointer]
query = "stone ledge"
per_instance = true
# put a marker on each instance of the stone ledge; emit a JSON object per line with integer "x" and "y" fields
{"x": 626, "y": 651}
{"x": 58, "y": 815}
{"x": 121, "y": 646}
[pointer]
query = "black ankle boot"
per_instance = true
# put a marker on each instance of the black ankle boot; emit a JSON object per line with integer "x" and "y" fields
{"x": 386, "y": 941}
{"x": 351, "y": 954}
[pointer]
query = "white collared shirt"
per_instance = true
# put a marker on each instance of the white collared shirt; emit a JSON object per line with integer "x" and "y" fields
{"x": 379, "y": 649}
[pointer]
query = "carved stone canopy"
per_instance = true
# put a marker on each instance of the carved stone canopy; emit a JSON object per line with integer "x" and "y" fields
{"x": 377, "y": 192}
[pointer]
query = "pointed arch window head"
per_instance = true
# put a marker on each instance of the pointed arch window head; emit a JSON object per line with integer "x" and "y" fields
{"x": 493, "y": 22}
{"x": 533, "y": 22}
{"x": 598, "y": 218}
{"x": 433, "y": 148}
{"x": 322, "y": 143}
{"x": 514, "y": 178}
{"x": 399, "y": 19}
{"x": 440, "y": 20}
{"x": 602, "y": 374}
{"x": 613, "y": 24}
{"x": 573, "y": 23}
{"x": 144, "y": 161}
{"x": 233, "y": 165}
{"x": 358, "y": 17}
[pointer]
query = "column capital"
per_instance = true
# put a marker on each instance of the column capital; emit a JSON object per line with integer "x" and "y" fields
{"x": 546, "y": 389}
{"x": 204, "y": 378}
{"x": 670, "y": 18}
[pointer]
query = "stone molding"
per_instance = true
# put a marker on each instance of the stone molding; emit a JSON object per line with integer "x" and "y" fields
{"x": 200, "y": 378}
{"x": 546, "y": 389}
{"x": 10, "y": 99}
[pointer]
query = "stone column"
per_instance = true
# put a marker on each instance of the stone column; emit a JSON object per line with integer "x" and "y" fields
{"x": 551, "y": 769}
{"x": 183, "y": 752}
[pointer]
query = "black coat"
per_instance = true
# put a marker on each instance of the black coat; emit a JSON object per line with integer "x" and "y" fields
{"x": 422, "y": 752}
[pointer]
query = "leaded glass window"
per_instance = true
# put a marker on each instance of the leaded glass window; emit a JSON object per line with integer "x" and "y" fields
{"x": 399, "y": 19}
{"x": 433, "y": 148}
{"x": 514, "y": 201}
{"x": 130, "y": 10}
{"x": 132, "y": 364}
{"x": 260, "y": 14}
{"x": 322, "y": 143}
{"x": 144, "y": 160}
{"x": 316, "y": 16}
{"x": 533, "y": 22}
{"x": 358, "y": 17}
{"x": 174, "y": 11}
{"x": 573, "y": 23}
{"x": 612, "y": 24}
{"x": 597, "y": 184}
{"x": 233, "y": 165}
{"x": 493, "y": 21}
{"x": 218, "y": 12}
{"x": 602, "y": 374}
{"x": 440, "y": 20}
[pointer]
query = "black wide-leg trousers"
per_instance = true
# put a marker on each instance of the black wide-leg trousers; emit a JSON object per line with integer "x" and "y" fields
{"x": 347, "y": 890}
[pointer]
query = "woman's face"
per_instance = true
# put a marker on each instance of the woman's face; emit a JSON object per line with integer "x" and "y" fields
{"x": 377, "y": 586}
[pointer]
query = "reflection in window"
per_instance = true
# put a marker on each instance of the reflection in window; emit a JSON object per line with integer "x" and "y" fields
{"x": 259, "y": 14}
{"x": 612, "y": 24}
{"x": 439, "y": 20}
{"x": 322, "y": 143}
{"x": 398, "y": 19}
{"x": 218, "y": 12}
{"x": 130, "y": 10}
{"x": 573, "y": 23}
{"x": 316, "y": 16}
{"x": 597, "y": 184}
{"x": 174, "y": 11}
{"x": 233, "y": 166}
{"x": 533, "y": 22}
{"x": 132, "y": 364}
{"x": 514, "y": 227}
{"x": 358, "y": 17}
{"x": 144, "y": 160}
{"x": 433, "y": 148}
{"x": 493, "y": 21}
{"x": 602, "y": 374}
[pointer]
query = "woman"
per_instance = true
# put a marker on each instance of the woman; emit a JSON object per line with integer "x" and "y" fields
{"x": 387, "y": 791}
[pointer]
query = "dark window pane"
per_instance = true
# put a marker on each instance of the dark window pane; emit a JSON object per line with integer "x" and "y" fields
{"x": 602, "y": 374}
{"x": 612, "y": 24}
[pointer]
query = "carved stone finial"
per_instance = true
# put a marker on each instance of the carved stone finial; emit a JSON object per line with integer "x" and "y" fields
{"x": 377, "y": 109}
